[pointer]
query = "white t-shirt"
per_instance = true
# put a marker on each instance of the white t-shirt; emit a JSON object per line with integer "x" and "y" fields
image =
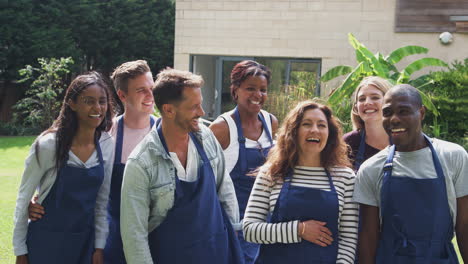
{"x": 416, "y": 164}
{"x": 231, "y": 153}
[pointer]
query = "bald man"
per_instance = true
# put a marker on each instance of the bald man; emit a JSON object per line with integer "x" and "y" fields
{"x": 414, "y": 193}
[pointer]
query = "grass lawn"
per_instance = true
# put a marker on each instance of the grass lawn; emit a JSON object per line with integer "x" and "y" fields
{"x": 13, "y": 152}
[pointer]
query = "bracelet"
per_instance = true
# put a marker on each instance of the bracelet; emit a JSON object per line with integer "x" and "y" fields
{"x": 303, "y": 229}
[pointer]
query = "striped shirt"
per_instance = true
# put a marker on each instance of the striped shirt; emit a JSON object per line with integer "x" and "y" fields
{"x": 263, "y": 198}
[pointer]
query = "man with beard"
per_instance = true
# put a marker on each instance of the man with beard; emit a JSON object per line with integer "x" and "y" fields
{"x": 414, "y": 193}
{"x": 178, "y": 202}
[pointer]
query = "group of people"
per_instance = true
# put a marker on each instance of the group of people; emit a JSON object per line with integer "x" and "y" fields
{"x": 136, "y": 189}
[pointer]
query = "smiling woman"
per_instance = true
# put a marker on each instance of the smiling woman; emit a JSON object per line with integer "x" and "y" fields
{"x": 73, "y": 185}
{"x": 246, "y": 134}
{"x": 368, "y": 136}
{"x": 306, "y": 187}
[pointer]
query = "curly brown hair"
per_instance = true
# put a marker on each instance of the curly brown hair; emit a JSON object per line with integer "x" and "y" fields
{"x": 285, "y": 154}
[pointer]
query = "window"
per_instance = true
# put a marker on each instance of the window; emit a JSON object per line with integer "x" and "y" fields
{"x": 288, "y": 75}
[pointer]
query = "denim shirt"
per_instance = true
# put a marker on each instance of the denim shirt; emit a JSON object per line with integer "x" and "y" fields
{"x": 148, "y": 191}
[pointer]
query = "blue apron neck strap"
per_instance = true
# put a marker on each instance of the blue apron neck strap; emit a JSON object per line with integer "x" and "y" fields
{"x": 361, "y": 151}
{"x": 151, "y": 121}
{"x": 330, "y": 181}
{"x": 387, "y": 173}
{"x": 200, "y": 148}
{"x": 240, "y": 134}
{"x": 119, "y": 140}
{"x": 435, "y": 158}
{"x": 265, "y": 127}
{"x": 99, "y": 151}
{"x": 161, "y": 136}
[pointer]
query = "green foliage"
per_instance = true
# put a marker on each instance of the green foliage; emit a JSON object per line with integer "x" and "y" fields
{"x": 98, "y": 35}
{"x": 41, "y": 104}
{"x": 370, "y": 64}
{"x": 448, "y": 90}
{"x": 280, "y": 103}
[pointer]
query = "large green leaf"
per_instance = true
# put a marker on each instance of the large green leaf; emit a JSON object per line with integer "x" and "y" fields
{"x": 427, "y": 102}
{"x": 348, "y": 86}
{"x": 402, "y": 52}
{"x": 335, "y": 72}
{"x": 418, "y": 65}
{"x": 363, "y": 53}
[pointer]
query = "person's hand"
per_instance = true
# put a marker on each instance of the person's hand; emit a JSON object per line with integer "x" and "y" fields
{"x": 98, "y": 256}
{"x": 315, "y": 232}
{"x": 23, "y": 259}
{"x": 35, "y": 210}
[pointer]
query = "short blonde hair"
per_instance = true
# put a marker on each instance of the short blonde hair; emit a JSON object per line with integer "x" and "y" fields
{"x": 378, "y": 82}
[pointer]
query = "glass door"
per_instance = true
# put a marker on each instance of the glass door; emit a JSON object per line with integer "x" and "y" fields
{"x": 223, "y": 97}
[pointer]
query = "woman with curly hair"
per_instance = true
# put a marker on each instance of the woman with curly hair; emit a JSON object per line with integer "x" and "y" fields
{"x": 70, "y": 164}
{"x": 306, "y": 186}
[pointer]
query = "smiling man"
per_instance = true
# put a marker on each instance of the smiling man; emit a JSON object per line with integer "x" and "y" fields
{"x": 178, "y": 201}
{"x": 133, "y": 83}
{"x": 413, "y": 194}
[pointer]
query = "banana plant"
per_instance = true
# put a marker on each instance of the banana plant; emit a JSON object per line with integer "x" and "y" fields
{"x": 370, "y": 64}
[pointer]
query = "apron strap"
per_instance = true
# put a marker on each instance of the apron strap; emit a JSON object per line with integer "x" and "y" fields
{"x": 330, "y": 181}
{"x": 387, "y": 173}
{"x": 161, "y": 136}
{"x": 200, "y": 149}
{"x": 119, "y": 140}
{"x": 361, "y": 151}
{"x": 241, "y": 139}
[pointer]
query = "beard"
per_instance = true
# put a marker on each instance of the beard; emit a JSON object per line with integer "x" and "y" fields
{"x": 188, "y": 124}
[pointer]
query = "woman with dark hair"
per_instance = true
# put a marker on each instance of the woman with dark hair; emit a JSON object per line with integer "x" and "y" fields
{"x": 306, "y": 186}
{"x": 246, "y": 134}
{"x": 70, "y": 165}
{"x": 368, "y": 136}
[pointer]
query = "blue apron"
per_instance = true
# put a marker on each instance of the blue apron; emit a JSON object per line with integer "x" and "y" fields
{"x": 196, "y": 228}
{"x": 302, "y": 203}
{"x": 416, "y": 223}
{"x": 113, "y": 252}
{"x": 249, "y": 159}
{"x": 361, "y": 151}
{"x": 65, "y": 234}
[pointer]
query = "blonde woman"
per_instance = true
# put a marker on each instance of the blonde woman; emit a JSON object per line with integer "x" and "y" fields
{"x": 368, "y": 136}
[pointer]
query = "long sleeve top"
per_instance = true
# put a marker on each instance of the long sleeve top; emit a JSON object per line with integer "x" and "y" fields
{"x": 148, "y": 189}
{"x": 263, "y": 199}
{"x": 40, "y": 176}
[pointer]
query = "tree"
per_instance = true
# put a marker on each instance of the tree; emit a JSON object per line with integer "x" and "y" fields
{"x": 41, "y": 105}
{"x": 370, "y": 64}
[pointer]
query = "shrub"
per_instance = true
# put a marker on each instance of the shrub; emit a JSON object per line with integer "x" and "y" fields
{"x": 41, "y": 104}
{"x": 448, "y": 91}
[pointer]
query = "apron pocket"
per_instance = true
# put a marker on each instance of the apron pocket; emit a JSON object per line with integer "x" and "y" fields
{"x": 45, "y": 246}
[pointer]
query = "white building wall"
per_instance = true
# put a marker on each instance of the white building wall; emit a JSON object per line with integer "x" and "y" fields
{"x": 295, "y": 28}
